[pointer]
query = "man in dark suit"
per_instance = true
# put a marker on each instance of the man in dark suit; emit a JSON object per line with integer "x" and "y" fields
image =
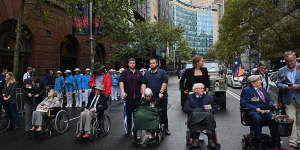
{"x": 258, "y": 101}
{"x": 95, "y": 108}
{"x": 261, "y": 70}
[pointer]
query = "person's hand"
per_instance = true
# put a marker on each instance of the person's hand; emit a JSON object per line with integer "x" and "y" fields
{"x": 60, "y": 89}
{"x": 37, "y": 95}
{"x": 160, "y": 95}
{"x": 66, "y": 82}
{"x": 5, "y": 98}
{"x": 266, "y": 111}
{"x": 258, "y": 110}
{"x": 207, "y": 107}
{"x": 295, "y": 86}
{"x": 92, "y": 109}
{"x": 29, "y": 95}
{"x": 124, "y": 95}
{"x": 186, "y": 91}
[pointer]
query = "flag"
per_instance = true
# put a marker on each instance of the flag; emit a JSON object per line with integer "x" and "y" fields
{"x": 80, "y": 19}
{"x": 236, "y": 65}
{"x": 125, "y": 117}
{"x": 240, "y": 72}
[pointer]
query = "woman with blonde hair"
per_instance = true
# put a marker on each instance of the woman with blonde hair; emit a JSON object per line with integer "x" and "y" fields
{"x": 9, "y": 97}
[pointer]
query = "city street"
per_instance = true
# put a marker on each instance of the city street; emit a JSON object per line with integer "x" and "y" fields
{"x": 229, "y": 130}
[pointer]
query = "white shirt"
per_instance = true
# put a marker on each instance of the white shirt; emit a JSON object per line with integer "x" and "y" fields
{"x": 95, "y": 104}
{"x": 26, "y": 76}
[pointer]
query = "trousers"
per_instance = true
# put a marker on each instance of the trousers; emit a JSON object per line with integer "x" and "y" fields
{"x": 69, "y": 99}
{"x": 37, "y": 118}
{"x": 86, "y": 119}
{"x": 85, "y": 96}
{"x": 293, "y": 111}
{"x": 28, "y": 116}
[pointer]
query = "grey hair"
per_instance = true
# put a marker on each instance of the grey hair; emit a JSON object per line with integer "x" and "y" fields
{"x": 196, "y": 85}
{"x": 287, "y": 53}
{"x": 148, "y": 92}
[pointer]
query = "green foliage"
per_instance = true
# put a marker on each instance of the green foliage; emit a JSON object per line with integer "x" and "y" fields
{"x": 145, "y": 38}
{"x": 273, "y": 27}
{"x": 184, "y": 51}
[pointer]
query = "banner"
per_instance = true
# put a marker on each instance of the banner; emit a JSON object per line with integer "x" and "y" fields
{"x": 80, "y": 25}
{"x": 97, "y": 19}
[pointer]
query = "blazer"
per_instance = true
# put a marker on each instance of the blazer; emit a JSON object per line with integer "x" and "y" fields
{"x": 282, "y": 81}
{"x": 101, "y": 102}
{"x": 249, "y": 99}
{"x": 59, "y": 84}
{"x": 70, "y": 86}
{"x": 186, "y": 81}
{"x": 35, "y": 89}
{"x": 266, "y": 77}
{"x": 193, "y": 102}
{"x": 10, "y": 91}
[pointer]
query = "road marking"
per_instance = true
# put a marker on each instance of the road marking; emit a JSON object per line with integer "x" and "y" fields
{"x": 236, "y": 96}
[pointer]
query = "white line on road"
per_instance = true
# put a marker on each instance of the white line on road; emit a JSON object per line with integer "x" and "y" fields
{"x": 236, "y": 96}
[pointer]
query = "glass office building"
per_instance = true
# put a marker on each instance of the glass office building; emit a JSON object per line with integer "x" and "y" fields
{"x": 198, "y": 25}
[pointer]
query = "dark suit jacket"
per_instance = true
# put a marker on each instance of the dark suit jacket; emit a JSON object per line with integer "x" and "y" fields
{"x": 248, "y": 98}
{"x": 186, "y": 81}
{"x": 193, "y": 102}
{"x": 101, "y": 103}
{"x": 10, "y": 91}
{"x": 266, "y": 77}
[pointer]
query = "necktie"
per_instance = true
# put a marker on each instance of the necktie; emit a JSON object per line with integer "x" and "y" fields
{"x": 261, "y": 95}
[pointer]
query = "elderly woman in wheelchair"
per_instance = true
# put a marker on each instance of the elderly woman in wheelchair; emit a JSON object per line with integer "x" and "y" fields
{"x": 200, "y": 108}
{"x": 42, "y": 110}
{"x": 256, "y": 103}
{"x": 97, "y": 103}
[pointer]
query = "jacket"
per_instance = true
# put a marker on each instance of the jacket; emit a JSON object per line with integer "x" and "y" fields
{"x": 187, "y": 82}
{"x": 251, "y": 99}
{"x": 105, "y": 81}
{"x": 34, "y": 88}
{"x": 70, "y": 86}
{"x": 10, "y": 91}
{"x": 282, "y": 81}
{"x": 193, "y": 103}
{"x": 78, "y": 81}
{"x": 101, "y": 103}
{"x": 59, "y": 85}
{"x": 49, "y": 103}
{"x": 85, "y": 81}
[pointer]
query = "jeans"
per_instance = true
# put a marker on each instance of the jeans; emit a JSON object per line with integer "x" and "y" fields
{"x": 13, "y": 114}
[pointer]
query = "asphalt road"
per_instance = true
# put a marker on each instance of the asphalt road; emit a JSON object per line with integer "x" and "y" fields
{"x": 229, "y": 130}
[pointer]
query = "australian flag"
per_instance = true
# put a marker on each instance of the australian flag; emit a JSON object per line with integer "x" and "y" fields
{"x": 125, "y": 117}
{"x": 236, "y": 66}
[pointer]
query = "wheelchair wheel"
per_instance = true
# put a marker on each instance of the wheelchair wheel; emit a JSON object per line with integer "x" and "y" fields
{"x": 102, "y": 126}
{"x": 62, "y": 121}
{"x": 4, "y": 122}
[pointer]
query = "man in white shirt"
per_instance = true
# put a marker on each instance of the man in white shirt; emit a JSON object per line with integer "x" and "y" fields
{"x": 27, "y": 75}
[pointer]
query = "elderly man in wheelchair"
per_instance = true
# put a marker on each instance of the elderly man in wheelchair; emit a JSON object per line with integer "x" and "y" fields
{"x": 48, "y": 113}
{"x": 200, "y": 108}
{"x": 256, "y": 103}
{"x": 97, "y": 103}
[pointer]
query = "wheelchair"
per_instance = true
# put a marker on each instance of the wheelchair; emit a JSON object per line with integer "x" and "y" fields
{"x": 155, "y": 127}
{"x": 248, "y": 141}
{"x": 100, "y": 126}
{"x": 202, "y": 144}
{"x": 56, "y": 121}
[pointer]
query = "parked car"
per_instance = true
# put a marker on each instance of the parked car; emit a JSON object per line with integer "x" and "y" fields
{"x": 234, "y": 82}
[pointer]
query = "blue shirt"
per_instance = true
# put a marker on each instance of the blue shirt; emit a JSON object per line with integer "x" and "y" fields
{"x": 85, "y": 81}
{"x": 115, "y": 80}
{"x": 154, "y": 81}
{"x": 71, "y": 84}
{"x": 78, "y": 81}
{"x": 291, "y": 75}
{"x": 59, "y": 83}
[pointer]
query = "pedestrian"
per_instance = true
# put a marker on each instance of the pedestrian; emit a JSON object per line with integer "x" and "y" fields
{"x": 34, "y": 93}
{"x": 157, "y": 79}
{"x": 27, "y": 74}
{"x": 130, "y": 83}
{"x": 255, "y": 99}
{"x": 59, "y": 86}
{"x": 69, "y": 86}
{"x": 197, "y": 74}
{"x": 2, "y": 83}
{"x": 9, "y": 96}
{"x": 288, "y": 82}
{"x": 86, "y": 90}
{"x": 50, "y": 79}
{"x": 78, "y": 87}
{"x": 114, "y": 85}
{"x": 261, "y": 70}
{"x": 101, "y": 76}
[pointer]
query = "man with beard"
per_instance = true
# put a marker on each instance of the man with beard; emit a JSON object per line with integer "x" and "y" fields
{"x": 157, "y": 79}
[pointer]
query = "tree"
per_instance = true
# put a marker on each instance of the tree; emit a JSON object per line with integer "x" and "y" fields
{"x": 260, "y": 25}
{"x": 184, "y": 51}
